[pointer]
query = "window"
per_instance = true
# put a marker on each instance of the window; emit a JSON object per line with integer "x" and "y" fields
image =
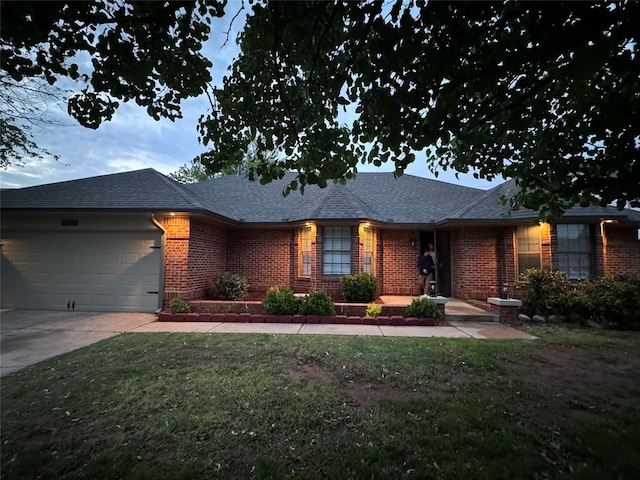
{"x": 574, "y": 250}
{"x": 304, "y": 252}
{"x": 367, "y": 239}
{"x": 336, "y": 251}
{"x": 528, "y": 247}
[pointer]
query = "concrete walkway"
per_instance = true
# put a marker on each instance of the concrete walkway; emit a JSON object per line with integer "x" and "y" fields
{"x": 478, "y": 330}
{"x": 30, "y": 336}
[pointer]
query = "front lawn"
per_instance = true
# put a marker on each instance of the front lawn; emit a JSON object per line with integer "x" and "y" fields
{"x": 263, "y": 406}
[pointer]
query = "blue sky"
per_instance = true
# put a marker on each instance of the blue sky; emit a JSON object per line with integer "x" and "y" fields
{"x": 133, "y": 140}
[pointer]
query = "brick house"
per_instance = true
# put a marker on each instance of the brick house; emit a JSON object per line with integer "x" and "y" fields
{"x": 132, "y": 241}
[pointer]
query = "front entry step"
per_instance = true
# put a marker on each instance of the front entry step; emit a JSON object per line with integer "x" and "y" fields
{"x": 488, "y": 317}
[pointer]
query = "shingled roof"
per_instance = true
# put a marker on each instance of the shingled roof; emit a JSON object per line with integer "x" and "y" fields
{"x": 143, "y": 190}
{"x": 377, "y": 197}
{"x": 370, "y": 196}
{"x": 487, "y": 207}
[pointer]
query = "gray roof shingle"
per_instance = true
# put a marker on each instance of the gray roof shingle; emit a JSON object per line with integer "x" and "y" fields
{"x": 378, "y": 197}
{"x": 137, "y": 190}
{"x": 488, "y": 207}
{"x": 371, "y": 196}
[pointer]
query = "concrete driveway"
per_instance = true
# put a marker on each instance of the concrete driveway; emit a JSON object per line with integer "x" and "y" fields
{"x": 30, "y": 336}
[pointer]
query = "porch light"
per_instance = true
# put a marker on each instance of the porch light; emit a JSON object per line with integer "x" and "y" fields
{"x": 432, "y": 289}
{"x": 504, "y": 291}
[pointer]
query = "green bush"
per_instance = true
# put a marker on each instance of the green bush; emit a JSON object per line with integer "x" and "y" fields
{"x": 423, "y": 308}
{"x": 177, "y": 305}
{"x": 611, "y": 301}
{"x": 358, "y": 288}
{"x": 231, "y": 286}
{"x": 280, "y": 301}
{"x": 374, "y": 310}
{"x": 616, "y": 301}
{"x": 317, "y": 303}
{"x": 541, "y": 291}
{"x": 572, "y": 303}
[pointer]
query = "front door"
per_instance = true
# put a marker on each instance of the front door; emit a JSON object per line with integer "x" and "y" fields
{"x": 440, "y": 239}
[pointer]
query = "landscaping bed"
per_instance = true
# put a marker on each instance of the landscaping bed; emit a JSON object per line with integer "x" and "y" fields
{"x": 398, "y": 320}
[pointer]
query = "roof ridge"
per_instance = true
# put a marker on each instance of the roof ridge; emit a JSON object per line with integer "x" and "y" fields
{"x": 364, "y": 202}
{"x": 473, "y": 203}
{"x": 345, "y": 193}
{"x": 189, "y": 196}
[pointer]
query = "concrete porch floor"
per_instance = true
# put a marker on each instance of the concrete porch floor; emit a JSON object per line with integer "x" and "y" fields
{"x": 455, "y": 310}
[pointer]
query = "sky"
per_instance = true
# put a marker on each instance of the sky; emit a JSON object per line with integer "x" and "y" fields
{"x": 133, "y": 140}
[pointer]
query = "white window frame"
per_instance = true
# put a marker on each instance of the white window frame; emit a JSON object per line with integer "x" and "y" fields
{"x": 304, "y": 251}
{"x": 368, "y": 250}
{"x": 336, "y": 251}
{"x": 529, "y": 249}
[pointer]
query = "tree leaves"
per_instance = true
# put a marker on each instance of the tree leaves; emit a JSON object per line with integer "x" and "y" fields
{"x": 148, "y": 52}
{"x": 506, "y": 89}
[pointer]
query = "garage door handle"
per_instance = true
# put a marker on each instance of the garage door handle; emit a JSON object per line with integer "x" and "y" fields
{"x": 155, "y": 293}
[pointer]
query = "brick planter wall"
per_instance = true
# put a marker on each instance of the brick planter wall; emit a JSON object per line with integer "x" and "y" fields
{"x": 396, "y": 320}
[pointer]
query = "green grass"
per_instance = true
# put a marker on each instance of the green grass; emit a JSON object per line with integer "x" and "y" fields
{"x": 262, "y": 406}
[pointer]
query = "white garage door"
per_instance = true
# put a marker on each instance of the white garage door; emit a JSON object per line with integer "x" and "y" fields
{"x": 90, "y": 271}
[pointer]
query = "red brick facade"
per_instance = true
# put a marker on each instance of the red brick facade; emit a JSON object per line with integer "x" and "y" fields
{"x": 476, "y": 273}
{"x": 399, "y": 262}
{"x": 620, "y": 250}
{"x": 483, "y": 258}
{"x": 263, "y": 257}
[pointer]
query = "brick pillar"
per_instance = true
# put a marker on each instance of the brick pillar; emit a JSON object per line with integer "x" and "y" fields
{"x": 176, "y": 256}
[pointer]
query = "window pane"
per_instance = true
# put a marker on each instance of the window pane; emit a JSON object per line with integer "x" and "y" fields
{"x": 304, "y": 249}
{"x": 528, "y": 247}
{"x": 528, "y": 260}
{"x": 336, "y": 246}
{"x": 575, "y": 250}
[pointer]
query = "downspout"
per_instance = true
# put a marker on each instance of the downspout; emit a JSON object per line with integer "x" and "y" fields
{"x": 158, "y": 225}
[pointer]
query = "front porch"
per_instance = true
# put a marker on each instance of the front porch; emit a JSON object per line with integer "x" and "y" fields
{"x": 455, "y": 309}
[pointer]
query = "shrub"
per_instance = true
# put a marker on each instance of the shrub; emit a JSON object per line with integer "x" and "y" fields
{"x": 572, "y": 303}
{"x": 358, "y": 288}
{"x": 423, "y": 308}
{"x": 280, "y": 301}
{"x": 616, "y": 301}
{"x": 541, "y": 291}
{"x": 613, "y": 301}
{"x": 317, "y": 303}
{"x": 231, "y": 286}
{"x": 373, "y": 310}
{"x": 177, "y": 305}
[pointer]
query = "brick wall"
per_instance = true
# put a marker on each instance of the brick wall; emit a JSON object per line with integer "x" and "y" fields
{"x": 621, "y": 250}
{"x": 475, "y": 267}
{"x": 207, "y": 257}
{"x": 399, "y": 262}
{"x": 176, "y": 256}
{"x": 264, "y": 257}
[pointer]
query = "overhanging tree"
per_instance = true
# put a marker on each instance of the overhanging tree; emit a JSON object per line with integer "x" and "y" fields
{"x": 115, "y": 51}
{"x": 547, "y": 94}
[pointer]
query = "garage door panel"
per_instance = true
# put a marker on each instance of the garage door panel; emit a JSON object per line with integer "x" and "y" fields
{"x": 105, "y": 271}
